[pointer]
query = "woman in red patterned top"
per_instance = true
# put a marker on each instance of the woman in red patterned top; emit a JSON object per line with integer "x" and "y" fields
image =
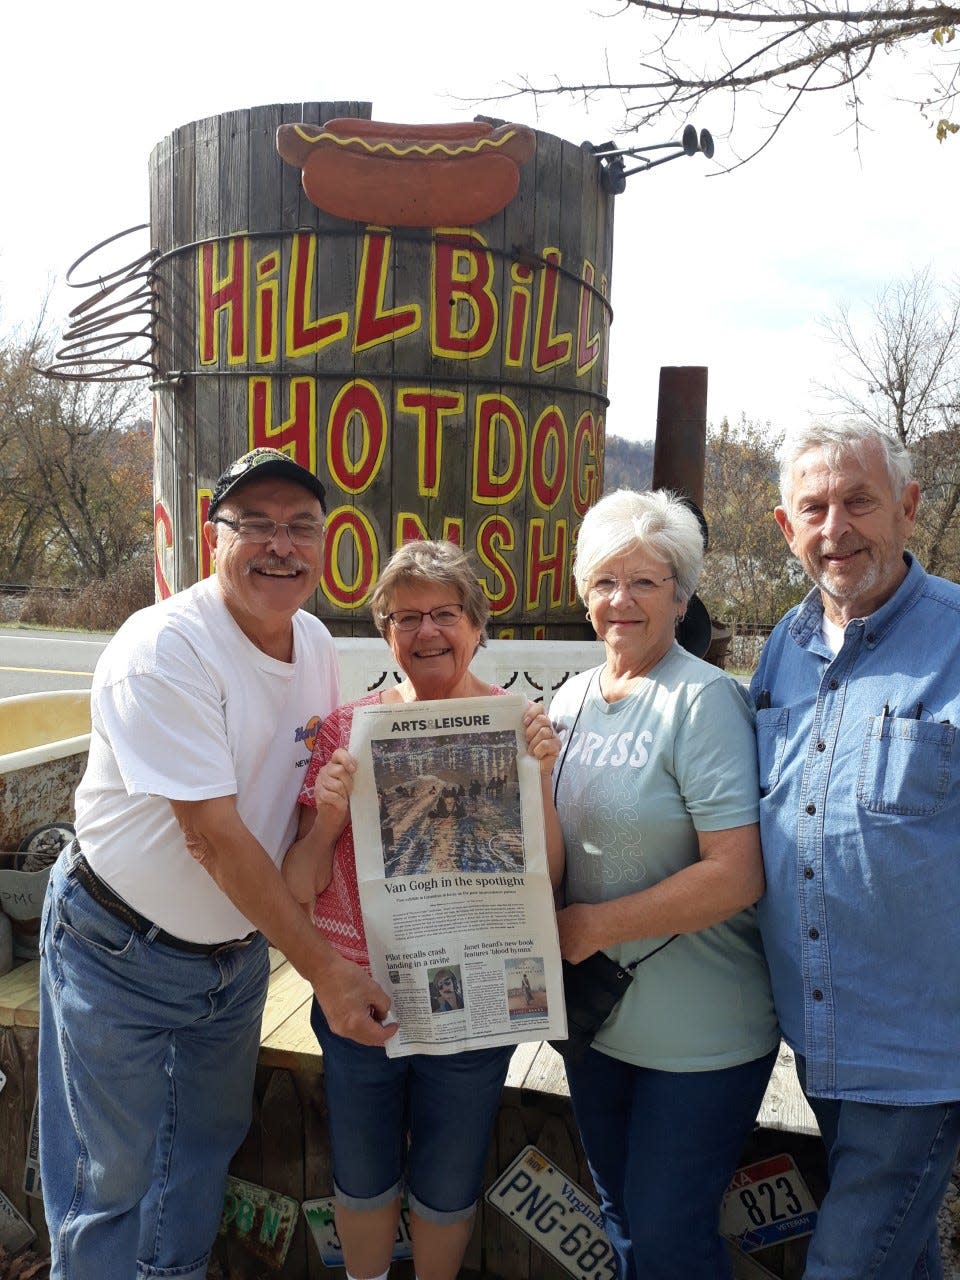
{"x": 386, "y": 1128}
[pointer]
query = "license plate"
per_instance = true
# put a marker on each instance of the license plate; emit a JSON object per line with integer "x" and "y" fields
{"x": 766, "y": 1204}
{"x": 556, "y": 1214}
{"x": 15, "y": 1230}
{"x": 31, "y": 1168}
{"x": 319, "y": 1216}
{"x": 262, "y": 1220}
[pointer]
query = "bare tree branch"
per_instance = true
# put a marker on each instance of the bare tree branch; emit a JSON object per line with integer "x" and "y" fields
{"x": 902, "y": 373}
{"x": 786, "y": 48}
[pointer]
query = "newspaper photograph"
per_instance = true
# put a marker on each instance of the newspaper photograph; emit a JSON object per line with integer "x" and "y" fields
{"x": 452, "y": 868}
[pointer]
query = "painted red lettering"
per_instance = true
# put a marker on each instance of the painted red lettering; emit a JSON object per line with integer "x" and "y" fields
{"x": 548, "y": 457}
{"x": 499, "y": 450}
{"x": 358, "y": 403}
{"x": 350, "y": 541}
{"x": 375, "y": 322}
{"x": 550, "y": 348}
{"x": 227, "y": 294}
{"x": 494, "y": 537}
{"x": 296, "y": 435}
{"x": 463, "y": 316}
{"x": 162, "y": 543}
{"x": 586, "y": 466}
{"x": 546, "y": 563}
{"x": 430, "y": 408}
{"x": 588, "y": 344}
{"x": 306, "y": 335}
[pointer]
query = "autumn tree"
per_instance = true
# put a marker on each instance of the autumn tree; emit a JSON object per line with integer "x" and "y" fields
{"x": 627, "y": 464}
{"x": 75, "y": 472}
{"x": 900, "y": 369}
{"x": 749, "y": 576}
{"x": 780, "y": 52}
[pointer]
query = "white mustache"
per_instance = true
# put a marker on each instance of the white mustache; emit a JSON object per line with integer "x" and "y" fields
{"x": 282, "y": 563}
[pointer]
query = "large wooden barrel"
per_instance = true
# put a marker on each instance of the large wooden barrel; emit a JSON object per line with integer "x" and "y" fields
{"x": 441, "y": 381}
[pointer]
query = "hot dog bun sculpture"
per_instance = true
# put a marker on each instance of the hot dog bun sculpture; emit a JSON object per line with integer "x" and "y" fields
{"x": 408, "y": 175}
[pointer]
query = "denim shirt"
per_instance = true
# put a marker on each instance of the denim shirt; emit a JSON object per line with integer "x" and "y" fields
{"x": 860, "y": 820}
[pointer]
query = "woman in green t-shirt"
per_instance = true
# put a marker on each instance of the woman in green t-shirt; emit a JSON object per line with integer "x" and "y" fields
{"x": 656, "y": 788}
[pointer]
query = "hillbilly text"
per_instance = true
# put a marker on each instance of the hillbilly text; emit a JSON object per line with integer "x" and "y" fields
{"x": 255, "y": 311}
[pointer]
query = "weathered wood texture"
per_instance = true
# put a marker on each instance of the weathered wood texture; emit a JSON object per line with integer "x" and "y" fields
{"x": 287, "y": 1146}
{"x": 432, "y": 377}
{"x": 19, "y": 1020}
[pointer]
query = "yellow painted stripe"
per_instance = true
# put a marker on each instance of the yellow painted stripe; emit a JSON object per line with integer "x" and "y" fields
{"x": 414, "y": 148}
{"x": 47, "y": 671}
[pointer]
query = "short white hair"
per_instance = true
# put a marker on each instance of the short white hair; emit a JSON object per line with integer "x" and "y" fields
{"x": 656, "y": 521}
{"x": 838, "y": 440}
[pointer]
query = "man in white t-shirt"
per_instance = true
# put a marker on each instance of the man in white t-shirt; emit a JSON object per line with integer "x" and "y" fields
{"x": 154, "y": 957}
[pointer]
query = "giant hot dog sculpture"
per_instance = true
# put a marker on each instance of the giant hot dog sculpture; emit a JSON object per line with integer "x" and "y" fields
{"x": 408, "y": 175}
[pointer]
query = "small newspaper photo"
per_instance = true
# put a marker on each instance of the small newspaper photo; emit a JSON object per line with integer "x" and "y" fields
{"x": 452, "y": 867}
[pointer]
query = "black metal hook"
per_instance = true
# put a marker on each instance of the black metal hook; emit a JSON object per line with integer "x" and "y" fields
{"x": 614, "y": 173}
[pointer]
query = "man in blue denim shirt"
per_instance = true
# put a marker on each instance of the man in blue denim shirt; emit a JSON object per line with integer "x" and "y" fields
{"x": 858, "y": 698}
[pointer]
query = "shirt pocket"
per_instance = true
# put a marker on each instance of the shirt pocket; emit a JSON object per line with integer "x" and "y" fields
{"x": 771, "y": 724}
{"x": 905, "y": 766}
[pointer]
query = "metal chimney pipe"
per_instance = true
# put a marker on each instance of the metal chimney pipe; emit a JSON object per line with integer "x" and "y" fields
{"x": 679, "y": 452}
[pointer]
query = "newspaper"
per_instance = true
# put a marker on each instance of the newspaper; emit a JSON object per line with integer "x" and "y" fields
{"x": 452, "y": 868}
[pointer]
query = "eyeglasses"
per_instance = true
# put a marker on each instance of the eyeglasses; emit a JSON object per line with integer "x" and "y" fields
{"x": 302, "y": 533}
{"x": 445, "y": 615}
{"x": 636, "y": 587}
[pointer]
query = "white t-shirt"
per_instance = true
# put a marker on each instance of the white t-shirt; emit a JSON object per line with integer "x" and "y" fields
{"x": 641, "y": 778}
{"x": 185, "y": 707}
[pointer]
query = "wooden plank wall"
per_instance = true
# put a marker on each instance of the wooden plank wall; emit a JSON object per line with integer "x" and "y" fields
{"x": 221, "y": 177}
{"x": 287, "y": 1150}
{"x": 212, "y": 178}
{"x": 19, "y": 1038}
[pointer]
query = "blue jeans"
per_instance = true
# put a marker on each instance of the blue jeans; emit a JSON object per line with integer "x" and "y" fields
{"x": 444, "y": 1103}
{"x": 147, "y": 1058}
{"x": 662, "y": 1147}
{"x": 888, "y": 1168}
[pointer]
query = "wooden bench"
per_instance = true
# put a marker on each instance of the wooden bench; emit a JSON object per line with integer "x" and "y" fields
{"x": 287, "y": 1147}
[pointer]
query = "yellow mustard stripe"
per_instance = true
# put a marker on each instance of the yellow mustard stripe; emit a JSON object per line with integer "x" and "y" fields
{"x": 414, "y": 148}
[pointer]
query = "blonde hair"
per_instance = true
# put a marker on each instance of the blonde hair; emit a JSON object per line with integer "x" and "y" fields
{"x": 431, "y": 562}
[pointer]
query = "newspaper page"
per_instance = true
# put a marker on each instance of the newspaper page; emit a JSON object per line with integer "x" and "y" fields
{"x": 454, "y": 885}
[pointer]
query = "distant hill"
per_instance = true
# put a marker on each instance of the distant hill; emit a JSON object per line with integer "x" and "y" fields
{"x": 628, "y": 464}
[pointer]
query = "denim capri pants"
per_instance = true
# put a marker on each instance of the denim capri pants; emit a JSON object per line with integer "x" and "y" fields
{"x": 424, "y": 1120}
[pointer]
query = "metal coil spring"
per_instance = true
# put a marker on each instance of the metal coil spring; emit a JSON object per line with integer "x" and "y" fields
{"x": 118, "y": 315}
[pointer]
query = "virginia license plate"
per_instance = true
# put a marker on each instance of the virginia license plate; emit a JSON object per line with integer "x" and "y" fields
{"x": 556, "y": 1214}
{"x": 766, "y": 1204}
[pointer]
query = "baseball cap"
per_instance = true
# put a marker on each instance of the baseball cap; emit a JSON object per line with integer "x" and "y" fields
{"x": 261, "y": 464}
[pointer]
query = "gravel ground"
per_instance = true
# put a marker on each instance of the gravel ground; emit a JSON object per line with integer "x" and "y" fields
{"x": 950, "y": 1228}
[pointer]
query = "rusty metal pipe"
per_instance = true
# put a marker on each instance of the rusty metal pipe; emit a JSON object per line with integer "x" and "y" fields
{"x": 679, "y": 452}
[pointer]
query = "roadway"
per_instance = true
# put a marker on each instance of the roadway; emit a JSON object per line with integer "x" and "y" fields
{"x": 34, "y": 661}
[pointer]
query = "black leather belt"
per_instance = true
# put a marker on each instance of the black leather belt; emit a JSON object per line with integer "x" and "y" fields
{"x": 101, "y": 892}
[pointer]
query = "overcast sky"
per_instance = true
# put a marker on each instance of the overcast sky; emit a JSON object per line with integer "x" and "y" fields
{"x": 732, "y": 272}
